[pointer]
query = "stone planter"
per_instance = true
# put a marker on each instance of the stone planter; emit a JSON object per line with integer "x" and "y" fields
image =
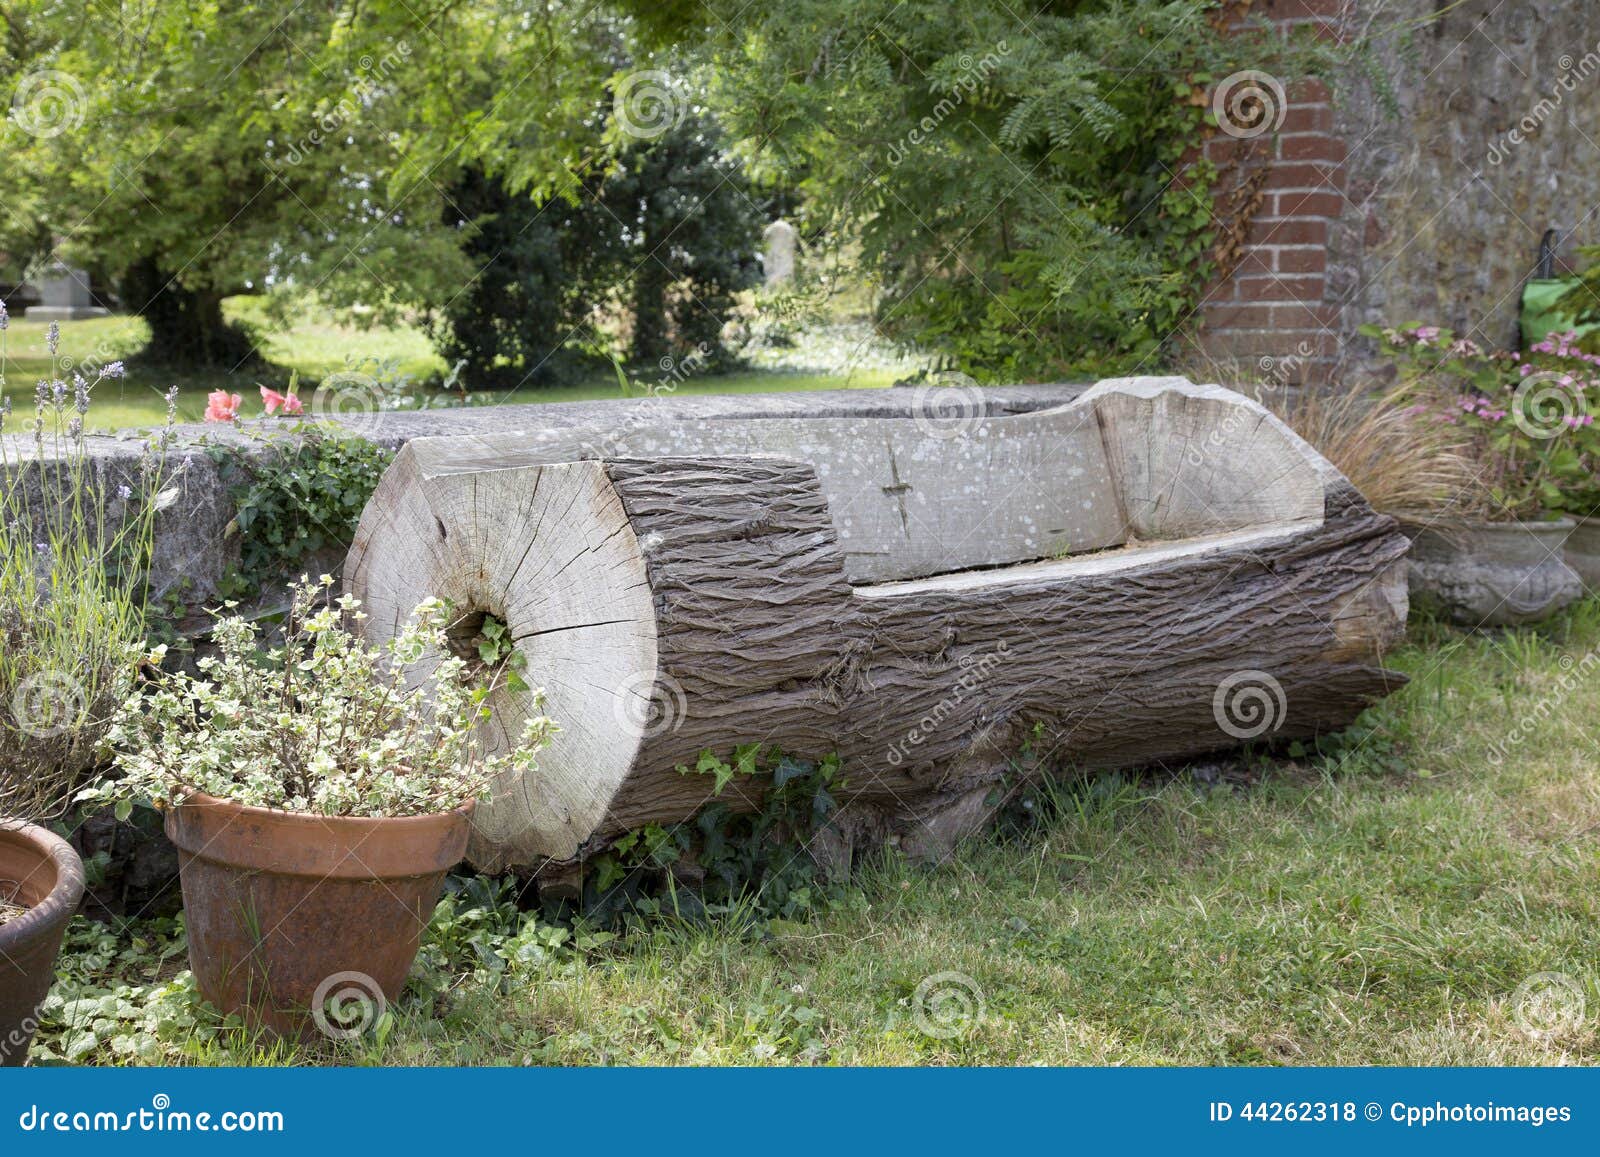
{"x": 1493, "y": 574}
{"x": 1583, "y": 552}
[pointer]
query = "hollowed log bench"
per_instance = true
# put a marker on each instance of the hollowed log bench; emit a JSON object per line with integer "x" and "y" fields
{"x": 1153, "y": 571}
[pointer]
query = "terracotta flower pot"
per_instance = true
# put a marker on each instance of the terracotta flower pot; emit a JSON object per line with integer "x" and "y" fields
{"x": 49, "y": 879}
{"x": 1583, "y": 551}
{"x": 1493, "y": 574}
{"x": 289, "y": 914}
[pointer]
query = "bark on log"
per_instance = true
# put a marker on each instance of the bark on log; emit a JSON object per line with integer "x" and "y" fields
{"x": 913, "y": 599}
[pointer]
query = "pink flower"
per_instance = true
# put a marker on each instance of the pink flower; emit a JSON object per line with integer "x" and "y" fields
{"x": 1426, "y": 334}
{"x": 290, "y": 403}
{"x": 222, "y": 406}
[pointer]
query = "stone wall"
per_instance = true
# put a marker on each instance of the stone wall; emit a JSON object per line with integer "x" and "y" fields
{"x": 1446, "y": 208}
{"x": 1420, "y": 190}
{"x": 194, "y": 547}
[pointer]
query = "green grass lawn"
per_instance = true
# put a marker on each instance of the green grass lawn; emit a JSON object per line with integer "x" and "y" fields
{"x": 1380, "y": 906}
{"x": 313, "y": 349}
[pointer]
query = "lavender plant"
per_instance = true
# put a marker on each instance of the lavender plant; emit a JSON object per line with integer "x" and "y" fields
{"x": 75, "y": 539}
{"x": 324, "y": 723}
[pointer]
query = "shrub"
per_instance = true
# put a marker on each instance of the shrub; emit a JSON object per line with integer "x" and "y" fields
{"x": 663, "y": 239}
{"x": 1022, "y": 184}
{"x": 1400, "y": 459}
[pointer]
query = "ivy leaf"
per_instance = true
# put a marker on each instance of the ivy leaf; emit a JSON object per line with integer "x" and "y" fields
{"x": 789, "y": 769}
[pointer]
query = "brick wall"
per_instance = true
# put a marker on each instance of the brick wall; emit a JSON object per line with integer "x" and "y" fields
{"x": 1274, "y": 307}
{"x": 1406, "y": 198}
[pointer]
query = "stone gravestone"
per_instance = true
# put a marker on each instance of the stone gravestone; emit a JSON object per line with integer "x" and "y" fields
{"x": 63, "y": 295}
{"x": 780, "y": 240}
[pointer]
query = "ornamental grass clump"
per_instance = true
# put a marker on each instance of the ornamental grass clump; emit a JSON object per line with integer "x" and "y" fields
{"x": 76, "y": 531}
{"x": 324, "y": 723}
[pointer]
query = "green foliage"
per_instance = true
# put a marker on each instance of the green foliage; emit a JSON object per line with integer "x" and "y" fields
{"x": 478, "y": 929}
{"x": 739, "y": 858}
{"x": 1526, "y": 418}
{"x": 323, "y": 723}
{"x": 1359, "y": 913}
{"x": 296, "y": 503}
{"x": 663, "y": 234}
{"x": 1018, "y": 181}
{"x": 202, "y": 147}
{"x": 124, "y": 998}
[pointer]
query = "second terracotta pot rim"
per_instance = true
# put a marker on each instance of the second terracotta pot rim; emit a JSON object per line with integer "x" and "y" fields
{"x": 63, "y": 898}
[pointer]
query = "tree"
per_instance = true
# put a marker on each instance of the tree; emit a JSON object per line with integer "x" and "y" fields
{"x": 663, "y": 240}
{"x": 687, "y": 208}
{"x": 522, "y": 319}
{"x": 1018, "y": 178}
{"x": 204, "y": 148}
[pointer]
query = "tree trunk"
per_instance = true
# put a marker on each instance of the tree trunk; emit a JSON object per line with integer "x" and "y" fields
{"x": 187, "y": 327}
{"x": 650, "y": 339}
{"x": 897, "y": 593}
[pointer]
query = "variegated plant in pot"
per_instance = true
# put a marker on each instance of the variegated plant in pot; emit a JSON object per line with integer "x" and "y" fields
{"x": 317, "y": 790}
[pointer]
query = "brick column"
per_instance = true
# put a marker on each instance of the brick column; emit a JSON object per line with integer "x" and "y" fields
{"x": 1273, "y": 301}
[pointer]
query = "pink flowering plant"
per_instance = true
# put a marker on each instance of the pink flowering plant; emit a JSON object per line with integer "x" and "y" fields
{"x": 1526, "y": 419}
{"x": 222, "y": 406}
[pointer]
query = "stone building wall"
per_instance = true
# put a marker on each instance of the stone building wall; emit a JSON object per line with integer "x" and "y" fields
{"x": 1426, "y": 203}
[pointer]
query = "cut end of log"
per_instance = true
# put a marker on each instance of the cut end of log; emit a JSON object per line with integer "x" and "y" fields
{"x": 548, "y": 550}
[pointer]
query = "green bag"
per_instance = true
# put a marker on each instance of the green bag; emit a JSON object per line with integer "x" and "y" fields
{"x": 1539, "y": 316}
{"x": 1540, "y": 313}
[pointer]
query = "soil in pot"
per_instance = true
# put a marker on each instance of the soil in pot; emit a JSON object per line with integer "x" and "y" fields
{"x": 43, "y": 886}
{"x": 307, "y": 925}
{"x": 1492, "y": 574}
